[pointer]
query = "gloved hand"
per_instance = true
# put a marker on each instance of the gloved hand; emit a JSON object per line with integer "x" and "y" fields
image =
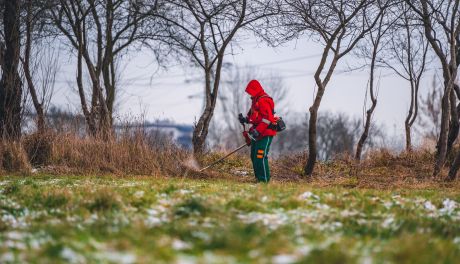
{"x": 253, "y": 134}
{"x": 242, "y": 119}
{"x": 247, "y": 138}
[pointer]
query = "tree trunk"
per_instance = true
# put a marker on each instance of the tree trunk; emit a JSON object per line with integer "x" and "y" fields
{"x": 10, "y": 84}
{"x": 201, "y": 127}
{"x": 454, "y": 168}
{"x": 408, "y": 122}
{"x": 454, "y": 123}
{"x": 365, "y": 134}
{"x": 312, "y": 138}
{"x": 26, "y": 65}
{"x": 108, "y": 66}
{"x": 370, "y": 111}
{"x": 89, "y": 117}
{"x": 414, "y": 113}
{"x": 312, "y": 147}
{"x": 441, "y": 147}
{"x": 312, "y": 151}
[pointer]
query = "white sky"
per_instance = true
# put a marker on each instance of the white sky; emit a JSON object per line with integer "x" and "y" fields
{"x": 164, "y": 94}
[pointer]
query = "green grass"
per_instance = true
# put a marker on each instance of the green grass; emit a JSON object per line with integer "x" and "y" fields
{"x": 48, "y": 219}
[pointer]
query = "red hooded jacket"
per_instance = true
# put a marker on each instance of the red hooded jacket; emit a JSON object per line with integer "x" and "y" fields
{"x": 261, "y": 114}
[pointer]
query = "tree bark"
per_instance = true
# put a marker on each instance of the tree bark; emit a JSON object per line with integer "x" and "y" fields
{"x": 454, "y": 123}
{"x": 201, "y": 128}
{"x": 441, "y": 147}
{"x": 413, "y": 113}
{"x": 312, "y": 138}
{"x": 410, "y": 115}
{"x": 10, "y": 84}
{"x": 370, "y": 111}
{"x": 41, "y": 125}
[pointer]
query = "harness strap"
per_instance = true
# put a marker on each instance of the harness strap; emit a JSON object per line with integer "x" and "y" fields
{"x": 266, "y": 121}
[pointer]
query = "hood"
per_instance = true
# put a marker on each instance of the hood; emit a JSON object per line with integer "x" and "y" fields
{"x": 254, "y": 88}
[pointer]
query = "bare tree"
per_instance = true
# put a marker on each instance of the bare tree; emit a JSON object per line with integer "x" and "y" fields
{"x": 10, "y": 84}
{"x": 39, "y": 61}
{"x": 339, "y": 25}
{"x": 372, "y": 49}
{"x": 99, "y": 32}
{"x": 406, "y": 55}
{"x": 202, "y": 31}
{"x": 441, "y": 25}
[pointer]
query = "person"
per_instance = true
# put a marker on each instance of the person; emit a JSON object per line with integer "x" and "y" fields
{"x": 260, "y": 135}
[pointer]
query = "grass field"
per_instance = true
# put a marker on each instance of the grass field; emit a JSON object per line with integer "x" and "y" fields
{"x": 49, "y": 219}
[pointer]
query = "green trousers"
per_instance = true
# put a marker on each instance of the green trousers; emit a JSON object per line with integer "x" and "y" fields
{"x": 259, "y": 158}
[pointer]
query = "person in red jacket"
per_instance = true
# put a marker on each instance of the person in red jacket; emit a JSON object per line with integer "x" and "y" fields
{"x": 262, "y": 131}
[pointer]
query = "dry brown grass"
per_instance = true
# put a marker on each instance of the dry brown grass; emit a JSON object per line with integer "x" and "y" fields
{"x": 13, "y": 158}
{"x": 137, "y": 153}
{"x": 382, "y": 169}
{"x": 130, "y": 153}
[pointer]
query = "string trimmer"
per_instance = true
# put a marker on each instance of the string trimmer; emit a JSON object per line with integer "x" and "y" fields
{"x": 226, "y": 156}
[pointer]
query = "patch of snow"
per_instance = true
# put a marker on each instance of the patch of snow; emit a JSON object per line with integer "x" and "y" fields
{"x": 14, "y": 245}
{"x": 139, "y": 194}
{"x": 184, "y": 191}
{"x": 349, "y": 213}
{"x": 178, "y": 244}
{"x": 307, "y": 196}
{"x": 429, "y": 206}
{"x": 449, "y": 207}
{"x": 156, "y": 216}
{"x": 7, "y": 257}
{"x": 323, "y": 206}
{"x": 304, "y": 250}
{"x": 284, "y": 259}
{"x": 388, "y": 222}
{"x": 14, "y": 235}
{"x": 457, "y": 240}
{"x": 272, "y": 221}
{"x": 71, "y": 256}
{"x": 5, "y": 182}
{"x": 117, "y": 257}
{"x": 185, "y": 259}
{"x": 201, "y": 235}
{"x": 388, "y": 204}
{"x": 330, "y": 226}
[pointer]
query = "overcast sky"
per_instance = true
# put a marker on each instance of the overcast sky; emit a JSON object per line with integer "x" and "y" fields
{"x": 166, "y": 94}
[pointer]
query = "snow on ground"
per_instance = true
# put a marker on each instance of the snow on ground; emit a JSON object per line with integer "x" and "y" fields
{"x": 190, "y": 219}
